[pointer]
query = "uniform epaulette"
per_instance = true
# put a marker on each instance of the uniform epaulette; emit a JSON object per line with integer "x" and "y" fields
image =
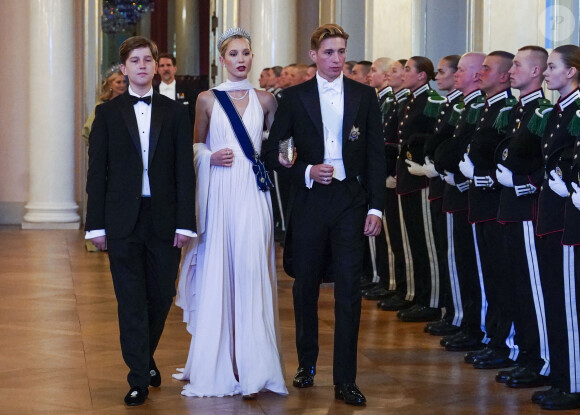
{"x": 502, "y": 118}
{"x": 537, "y": 123}
{"x": 474, "y": 110}
{"x": 434, "y": 103}
{"x": 544, "y": 103}
{"x": 457, "y": 110}
{"x": 387, "y": 104}
{"x": 574, "y": 126}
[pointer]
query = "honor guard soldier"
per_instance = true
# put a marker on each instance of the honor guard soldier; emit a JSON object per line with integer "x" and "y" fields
{"x": 463, "y": 271}
{"x": 400, "y": 270}
{"x": 446, "y": 69}
{"x": 518, "y": 158}
{"x": 555, "y": 253}
{"x": 414, "y": 125}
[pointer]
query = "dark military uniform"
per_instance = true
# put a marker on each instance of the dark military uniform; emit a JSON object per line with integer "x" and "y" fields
{"x": 398, "y": 254}
{"x": 555, "y": 259}
{"x": 464, "y": 275}
{"x": 522, "y": 299}
{"x": 414, "y": 202}
{"x": 443, "y": 130}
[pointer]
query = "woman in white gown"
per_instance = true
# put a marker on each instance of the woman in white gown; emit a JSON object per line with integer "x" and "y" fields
{"x": 227, "y": 285}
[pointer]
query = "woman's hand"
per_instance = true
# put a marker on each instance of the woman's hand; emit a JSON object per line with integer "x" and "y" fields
{"x": 223, "y": 157}
{"x": 284, "y": 162}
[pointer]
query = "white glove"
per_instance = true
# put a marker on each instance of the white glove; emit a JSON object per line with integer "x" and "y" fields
{"x": 576, "y": 195}
{"x": 429, "y": 168}
{"x": 483, "y": 181}
{"x": 391, "y": 182}
{"x": 557, "y": 184}
{"x": 466, "y": 166}
{"x": 415, "y": 169}
{"x": 504, "y": 176}
{"x": 462, "y": 187}
{"x": 449, "y": 178}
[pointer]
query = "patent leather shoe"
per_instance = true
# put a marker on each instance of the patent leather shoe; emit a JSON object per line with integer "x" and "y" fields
{"x": 494, "y": 360}
{"x": 441, "y": 328}
{"x": 526, "y": 378}
{"x": 503, "y": 375}
{"x": 452, "y": 338}
{"x": 136, "y": 396}
{"x": 420, "y": 313}
{"x": 476, "y": 354}
{"x": 539, "y": 396}
{"x": 350, "y": 394}
{"x": 366, "y": 283}
{"x": 304, "y": 377}
{"x": 394, "y": 303}
{"x": 561, "y": 400}
{"x": 464, "y": 344}
{"x": 155, "y": 375}
{"x": 376, "y": 293}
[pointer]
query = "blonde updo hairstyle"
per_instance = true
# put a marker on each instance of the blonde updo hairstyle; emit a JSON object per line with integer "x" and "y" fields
{"x": 226, "y": 42}
{"x": 106, "y": 90}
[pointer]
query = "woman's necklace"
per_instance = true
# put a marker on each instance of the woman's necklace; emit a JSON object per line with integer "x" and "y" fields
{"x": 240, "y": 98}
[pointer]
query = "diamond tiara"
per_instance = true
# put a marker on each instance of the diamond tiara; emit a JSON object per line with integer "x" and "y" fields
{"x": 232, "y": 31}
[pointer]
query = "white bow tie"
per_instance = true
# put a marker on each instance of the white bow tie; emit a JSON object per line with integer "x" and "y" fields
{"x": 331, "y": 86}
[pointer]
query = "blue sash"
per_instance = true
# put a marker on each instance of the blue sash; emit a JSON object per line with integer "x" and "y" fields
{"x": 262, "y": 178}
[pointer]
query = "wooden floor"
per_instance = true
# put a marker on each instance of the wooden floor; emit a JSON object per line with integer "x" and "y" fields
{"x": 59, "y": 349}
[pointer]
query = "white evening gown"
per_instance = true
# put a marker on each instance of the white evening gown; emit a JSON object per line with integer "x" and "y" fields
{"x": 228, "y": 279}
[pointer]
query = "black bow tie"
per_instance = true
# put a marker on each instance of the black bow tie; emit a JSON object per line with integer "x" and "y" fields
{"x": 133, "y": 99}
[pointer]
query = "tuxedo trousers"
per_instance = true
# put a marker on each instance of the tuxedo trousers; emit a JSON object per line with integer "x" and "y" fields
{"x": 144, "y": 269}
{"x": 418, "y": 225}
{"x": 524, "y": 298}
{"x": 559, "y": 266}
{"x": 328, "y": 216}
{"x": 397, "y": 257}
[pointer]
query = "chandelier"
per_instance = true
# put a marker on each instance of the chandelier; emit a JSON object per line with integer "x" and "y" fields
{"x": 120, "y": 14}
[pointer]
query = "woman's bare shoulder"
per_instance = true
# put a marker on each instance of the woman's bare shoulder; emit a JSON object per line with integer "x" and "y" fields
{"x": 266, "y": 99}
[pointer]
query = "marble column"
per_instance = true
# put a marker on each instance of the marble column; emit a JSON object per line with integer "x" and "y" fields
{"x": 51, "y": 201}
{"x": 187, "y": 37}
{"x": 273, "y": 27}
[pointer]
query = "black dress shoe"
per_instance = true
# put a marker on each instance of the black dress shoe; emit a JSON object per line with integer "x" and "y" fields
{"x": 460, "y": 335}
{"x": 350, "y": 394}
{"x": 376, "y": 293}
{"x": 477, "y": 354}
{"x": 503, "y": 375}
{"x": 155, "y": 379}
{"x": 420, "y": 314}
{"x": 494, "y": 360}
{"x": 526, "y": 378}
{"x": 394, "y": 303}
{"x": 441, "y": 328}
{"x": 366, "y": 284}
{"x": 136, "y": 396}
{"x": 465, "y": 344}
{"x": 304, "y": 377}
{"x": 539, "y": 396}
{"x": 560, "y": 400}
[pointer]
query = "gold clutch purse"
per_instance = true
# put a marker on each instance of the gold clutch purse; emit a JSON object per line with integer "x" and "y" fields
{"x": 286, "y": 148}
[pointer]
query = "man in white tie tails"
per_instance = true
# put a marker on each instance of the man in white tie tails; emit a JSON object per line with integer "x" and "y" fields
{"x": 172, "y": 88}
{"x": 336, "y": 199}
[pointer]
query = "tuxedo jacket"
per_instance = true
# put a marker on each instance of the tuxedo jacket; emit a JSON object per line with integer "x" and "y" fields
{"x": 186, "y": 96}
{"x": 299, "y": 116}
{"x": 114, "y": 180}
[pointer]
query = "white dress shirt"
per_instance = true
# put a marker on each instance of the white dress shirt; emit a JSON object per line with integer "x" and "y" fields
{"x": 143, "y": 115}
{"x": 331, "y": 95}
{"x": 168, "y": 89}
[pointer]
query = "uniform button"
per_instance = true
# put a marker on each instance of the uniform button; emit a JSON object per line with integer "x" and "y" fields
{"x": 541, "y": 188}
{"x": 552, "y": 135}
{"x": 481, "y": 119}
{"x": 557, "y": 125}
{"x": 401, "y": 123}
{"x": 560, "y": 115}
{"x": 400, "y": 132}
{"x": 442, "y": 112}
{"x": 487, "y": 109}
{"x": 408, "y": 107}
{"x": 575, "y": 156}
{"x": 521, "y": 110}
{"x": 546, "y": 145}
{"x": 401, "y": 140}
{"x": 546, "y": 157}
{"x": 436, "y": 129}
{"x": 514, "y": 130}
{"x": 453, "y": 135}
{"x": 578, "y": 143}
{"x": 406, "y": 116}
{"x": 518, "y": 120}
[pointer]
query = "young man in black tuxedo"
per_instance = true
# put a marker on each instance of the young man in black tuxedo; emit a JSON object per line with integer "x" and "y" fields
{"x": 141, "y": 206}
{"x": 336, "y": 199}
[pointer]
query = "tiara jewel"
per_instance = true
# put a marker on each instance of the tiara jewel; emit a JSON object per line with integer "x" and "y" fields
{"x": 232, "y": 31}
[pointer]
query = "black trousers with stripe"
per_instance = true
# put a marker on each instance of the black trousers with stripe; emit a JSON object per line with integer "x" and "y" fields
{"x": 523, "y": 299}
{"x": 439, "y": 220}
{"x": 557, "y": 271}
{"x": 418, "y": 225}
{"x": 395, "y": 260}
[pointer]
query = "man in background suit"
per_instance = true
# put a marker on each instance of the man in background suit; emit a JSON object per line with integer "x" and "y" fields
{"x": 175, "y": 89}
{"x": 141, "y": 205}
{"x": 339, "y": 173}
